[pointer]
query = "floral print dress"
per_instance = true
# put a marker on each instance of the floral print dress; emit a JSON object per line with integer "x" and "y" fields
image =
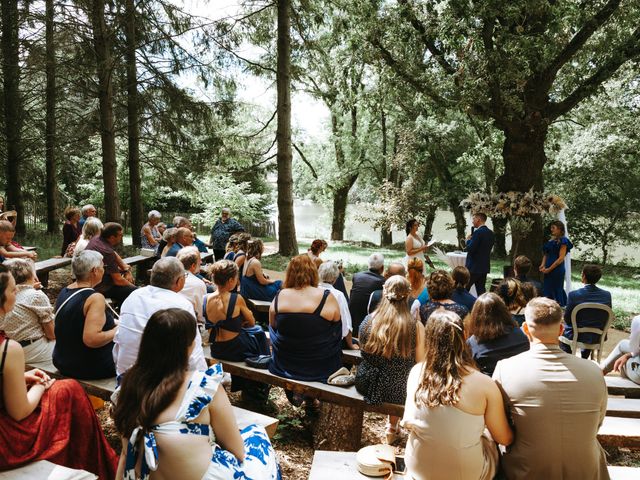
{"x": 260, "y": 459}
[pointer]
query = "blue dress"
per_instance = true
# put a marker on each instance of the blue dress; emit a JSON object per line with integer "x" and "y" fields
{"x": 260, "y": 461}
{"x": 251, "y": 288}
{"x": 553, "y": 285}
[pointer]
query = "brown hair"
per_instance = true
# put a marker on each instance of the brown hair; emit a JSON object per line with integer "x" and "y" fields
{"x": 415, "y": 267}
{"x": 5, "y": 276}
{"x": 558, "y": 224}
{"x": 543, "y": 311}
{"x": 440, "y": 285}
{"x": 529, "y": 291}
{"x": 153, "y": 382}
{"x": 71, "y": 212}
{"x": 592, "y": 273}
{"x": 461, "y": 276}
{"x": 317, "y": 245}
{"x": 110, "y": 229}
{"x": 447, "y": 360}
{"x": 393, "y": 329}
{"x": 21, "y": 269}
{"x": 481, "y": 216}
{"x": 489, "y": 318}
{"x": 522, "y": 265}
{"x": 511, "y": 294}
{"x": 255, "y": 247}
{"x": 222, "y": 271}
{"x": 6, "y": 226}
{"x": 243, "y": 239}
{"x": 301, "y": 272}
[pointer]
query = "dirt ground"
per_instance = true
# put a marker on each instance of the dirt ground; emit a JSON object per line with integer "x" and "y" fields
{"x": 293, "y": 440}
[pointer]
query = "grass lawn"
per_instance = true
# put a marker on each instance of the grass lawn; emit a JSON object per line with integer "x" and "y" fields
{"x": 619, "y": 280}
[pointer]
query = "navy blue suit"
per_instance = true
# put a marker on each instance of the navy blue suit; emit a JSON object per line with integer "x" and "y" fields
{"x": 586, "y": 318}
{"x": 479, "y": 257}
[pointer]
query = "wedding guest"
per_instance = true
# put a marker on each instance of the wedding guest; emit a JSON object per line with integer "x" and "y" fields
{"x": 7, "y": 249}
{"x": 511, "y": 294}
{"x": 328, "y": 273}
{"x": 493, "y": 333}
{"x": 394, "y": 268}
{"x": 625, "y": 358}
{"x": 91, "y": 228}
{"x": 304, "y": 326}
{"x": 461, "y": 295}
{"x": 363, "y": 285}
{"x": 224, "y": 227}
{"x": 478, "y": 246}
{"x": 521, "y": 267}
{"x": 194, "y": 288}
{"x": 556, "y": 401}
{"x": 418, "y": 281}
{"x": 45, "y": 419}
{"x": 241, "y": 253}
{"x": 168, "y": 239}
{"x": 392, "y": 343}
{"x": 84, "y": 326}
{"x": 71, "y": 230}
{"x": 553, "y": 263}
{"x": 169, "y": 414}
{"x": 449, "y": 404}
{"x": 317, "y": 247}
{"x": 184, "y": 238}
{"x": 87, "y": 211}
{"x": 440, "y": 286}
{"x": 231, "y": 248}
{"x": 254, "y": 284}
{"x": 149, "y": 235}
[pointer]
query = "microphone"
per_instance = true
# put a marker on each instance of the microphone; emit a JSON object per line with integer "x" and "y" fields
{"x": 473, "y": 229}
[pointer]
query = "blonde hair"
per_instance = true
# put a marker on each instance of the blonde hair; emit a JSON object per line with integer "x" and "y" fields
{"x": 447, "y": 360}
{"x": 393, "y": 329}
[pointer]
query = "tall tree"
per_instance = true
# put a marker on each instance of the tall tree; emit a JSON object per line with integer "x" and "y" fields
{"x": 13, "y": 109}
{"x": 286, "y": 225}
{"x": 133, "y": 129}
{"x": 50, "y": 122}
{"x": 103, "y": 44}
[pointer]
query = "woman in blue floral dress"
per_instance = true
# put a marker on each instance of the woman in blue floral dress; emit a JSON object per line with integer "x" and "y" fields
{"x": 553, "y": 263}
{"x": 177, "y": 423}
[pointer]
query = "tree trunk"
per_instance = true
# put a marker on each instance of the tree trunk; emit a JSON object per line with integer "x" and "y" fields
{"x": 286, "y": 223}
{"x": 133, "y": 127}
{"x": 102, "y": 42}
{"x": 340, "y": 199}
{"x": 50, "y": 127}
{"x": 428, "y": 223}
{"x": 13, "y": 114}
{"x": 386, "y": 237}
{"x": 459, "y": 217}
{"x": 338, "y": 428}
{"x": 500, "y": 232}
{"x": 524, "y": 158}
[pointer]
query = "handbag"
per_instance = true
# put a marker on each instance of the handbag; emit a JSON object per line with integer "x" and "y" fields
{"x": 260, "y": 361}
{"x": 377, "y": 460}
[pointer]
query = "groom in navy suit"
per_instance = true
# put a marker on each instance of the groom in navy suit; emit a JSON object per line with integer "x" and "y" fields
{"x": 479, "y": 245}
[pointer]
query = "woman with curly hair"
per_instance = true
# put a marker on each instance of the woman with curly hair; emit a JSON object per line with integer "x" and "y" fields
{"x": 391, "y": 341}
{"x": 441, "y": 285}
{"x": 449, "y": 404}
{"x": 254, "y": 284}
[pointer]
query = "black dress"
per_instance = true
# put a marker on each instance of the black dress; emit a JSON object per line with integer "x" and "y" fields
{"x": 428, "y": 308}
{"x": 380, "y": 379}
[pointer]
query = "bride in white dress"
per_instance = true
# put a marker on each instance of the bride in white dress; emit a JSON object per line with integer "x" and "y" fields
{"x": 415, "y": 246}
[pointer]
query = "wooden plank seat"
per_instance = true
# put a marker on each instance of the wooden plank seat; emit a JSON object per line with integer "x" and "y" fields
{"x": 620, "y": 432}
{"x": 342, "y": 410}
{"x": 103, "y": 389}
{"x": 142, "y": 264}
{"x": 206, "y": 257}
{"x": 44, "y": 469}
{"x": 343, "y": 466}
{"x": 258, "y": 305}
{"x": 351, "y": 357}
{"x": 622, "y": 386}
{"x": 43, "y": 268}
{"x": 623, "y": 407}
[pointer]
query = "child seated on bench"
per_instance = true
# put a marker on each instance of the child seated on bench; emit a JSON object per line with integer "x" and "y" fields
{"x": 44, "y": 419}
{"x": 167, "y": 414}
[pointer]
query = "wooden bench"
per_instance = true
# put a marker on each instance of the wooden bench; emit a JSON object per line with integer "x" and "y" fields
{"x": 206, "y": 257}
{"x": 43, "y": 268}
{"x": 342, "y": 410}
{"x": 623, "y": 407}
{"x": 343, "y": 466}
{"x": 258, "y": 305}
{"x": 45, "y": 469}
{"x": 142, "y": 264}
{"x": 622, "y": 386}
{"x": 620, "y": 432}
{"x": 351, "y": 357}
{"x": 104, "y": 388}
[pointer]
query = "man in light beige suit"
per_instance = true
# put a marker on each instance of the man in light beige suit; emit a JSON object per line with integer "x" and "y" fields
{"x": 557, "y": 403}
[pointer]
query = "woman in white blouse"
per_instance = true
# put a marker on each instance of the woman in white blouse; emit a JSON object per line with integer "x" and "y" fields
{"x": 414, "y": 246}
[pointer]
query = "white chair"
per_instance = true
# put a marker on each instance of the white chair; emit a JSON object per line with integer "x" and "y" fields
{"x": 575, "y": 344}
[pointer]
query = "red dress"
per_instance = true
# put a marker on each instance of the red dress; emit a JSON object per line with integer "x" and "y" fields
{"x": 63, "y": 429}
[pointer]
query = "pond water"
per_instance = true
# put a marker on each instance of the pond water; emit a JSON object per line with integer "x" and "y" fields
{"x": 313, "y": 220}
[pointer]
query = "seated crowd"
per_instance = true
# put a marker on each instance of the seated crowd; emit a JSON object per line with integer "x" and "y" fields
{"x": 455, "y": 362}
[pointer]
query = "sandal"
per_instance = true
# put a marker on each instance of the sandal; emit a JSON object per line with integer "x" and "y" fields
{"x": 392, "y": 433}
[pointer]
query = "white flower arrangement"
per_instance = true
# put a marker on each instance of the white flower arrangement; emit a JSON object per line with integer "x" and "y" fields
{"x": 513, "y": 204}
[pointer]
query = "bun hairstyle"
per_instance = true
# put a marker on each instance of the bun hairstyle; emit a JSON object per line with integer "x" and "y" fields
{"x": 511, "y": 293}
{"x": 409, "y": 226}
{"x": 317, "y": 245}
{"x": 243, "y": 239}
{"x": 396, "y": 289}
{"x": 415, "y": 267}
{"x": 222, "y": 271}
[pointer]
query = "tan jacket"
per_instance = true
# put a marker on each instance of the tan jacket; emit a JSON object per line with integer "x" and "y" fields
{"x": 557, "y": 403}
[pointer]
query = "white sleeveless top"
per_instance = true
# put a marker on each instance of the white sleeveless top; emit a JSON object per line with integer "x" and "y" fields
{"x": 417, "y": 243}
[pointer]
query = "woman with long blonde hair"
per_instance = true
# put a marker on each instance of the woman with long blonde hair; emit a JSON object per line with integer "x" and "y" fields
{"x": 392, "y": 343}
{"x": 415, "y": 275}
{"x": 449, "y": 404}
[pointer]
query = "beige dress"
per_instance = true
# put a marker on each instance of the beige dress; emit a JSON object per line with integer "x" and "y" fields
{"x": 445, "y": 442}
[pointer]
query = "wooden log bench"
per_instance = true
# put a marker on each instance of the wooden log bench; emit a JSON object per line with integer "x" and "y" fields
{"x": 142, "y": 264}
{"x": 622, "y": 386}
{"x": 620, "y": 432}
{"x": 104, "y": 388}
{"x": 341, "y": 413}
{"x": 343, "y": 466}
{"x": 43, "y": 268}
{"x": 261, "y": 306}
{"x": 44, "y": 469}
{"x": 623, "y": 407}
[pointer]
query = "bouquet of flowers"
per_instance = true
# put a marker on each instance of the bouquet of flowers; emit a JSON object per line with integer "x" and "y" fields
{"x": 513, "y": 204}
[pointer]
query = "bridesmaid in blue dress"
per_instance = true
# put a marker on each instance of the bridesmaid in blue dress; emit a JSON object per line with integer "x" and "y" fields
{"x": 553, "y": 263}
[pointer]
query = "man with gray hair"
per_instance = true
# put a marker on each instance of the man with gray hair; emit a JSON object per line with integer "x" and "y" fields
{"x": 167, "y": 279}
{"x": 87, "y": 212}
{"x": 329, "y": 273}
{"x": 224, "y": 227}
{"x": 556, "y": 401}
{"x": 180, "y": 222}
{"x": 194, "y": 288}
{"x": 394, "y": 268}
{"x": 364, "y": 283}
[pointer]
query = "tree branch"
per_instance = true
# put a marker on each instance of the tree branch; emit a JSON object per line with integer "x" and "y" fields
{"x": 304, "y": 159}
